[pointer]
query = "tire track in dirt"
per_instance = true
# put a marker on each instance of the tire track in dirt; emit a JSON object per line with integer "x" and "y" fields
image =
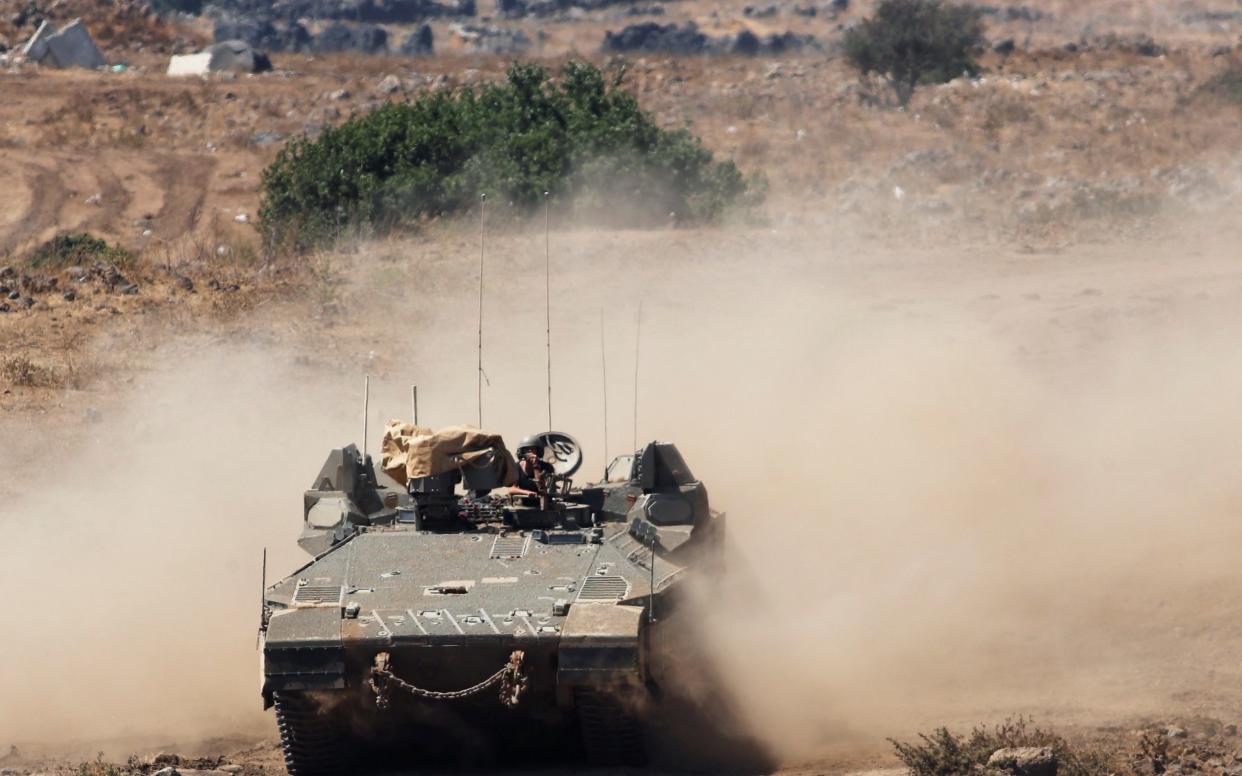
{"x": 47, "y": 197}
{"x": 115, "y": 199}
{"x": 185, "y": 181}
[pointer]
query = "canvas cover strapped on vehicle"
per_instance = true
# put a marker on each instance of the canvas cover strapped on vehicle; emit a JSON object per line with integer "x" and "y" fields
{"x": 410, "y": 451}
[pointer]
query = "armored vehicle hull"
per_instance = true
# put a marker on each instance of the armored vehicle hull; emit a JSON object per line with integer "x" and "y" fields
{"x": 448, "y": 627}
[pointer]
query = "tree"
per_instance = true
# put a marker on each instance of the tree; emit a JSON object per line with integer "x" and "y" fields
{"x": 914, "y": 42}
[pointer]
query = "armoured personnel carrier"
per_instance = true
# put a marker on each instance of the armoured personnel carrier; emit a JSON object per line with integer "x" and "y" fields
{"x": 461, "y": 605}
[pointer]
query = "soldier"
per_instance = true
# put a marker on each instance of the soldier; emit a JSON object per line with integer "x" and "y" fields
{"x": 531, "y": 468}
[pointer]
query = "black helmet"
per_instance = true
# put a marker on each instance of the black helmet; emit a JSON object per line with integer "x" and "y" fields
{"x": 534, "y": 443}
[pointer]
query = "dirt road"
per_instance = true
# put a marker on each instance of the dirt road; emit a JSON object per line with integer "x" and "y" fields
{"x": 1001, "y": 483}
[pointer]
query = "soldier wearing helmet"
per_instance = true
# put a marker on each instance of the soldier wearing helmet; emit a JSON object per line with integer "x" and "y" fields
{"x": 532, "y": 468}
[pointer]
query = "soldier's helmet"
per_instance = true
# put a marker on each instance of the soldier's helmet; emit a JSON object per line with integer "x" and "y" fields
{"x": 532, "y": 443}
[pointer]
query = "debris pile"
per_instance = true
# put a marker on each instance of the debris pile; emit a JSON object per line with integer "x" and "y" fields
{"x": 116, "y": 25}
{"x": 70, "y": 47}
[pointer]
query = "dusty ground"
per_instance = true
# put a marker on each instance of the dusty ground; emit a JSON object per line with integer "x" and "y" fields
{"x": 1010, "y": 387}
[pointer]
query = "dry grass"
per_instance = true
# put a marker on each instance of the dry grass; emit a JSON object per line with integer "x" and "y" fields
{"x": 21, "y": 372}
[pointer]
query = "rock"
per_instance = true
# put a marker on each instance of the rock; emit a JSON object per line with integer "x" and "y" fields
{"x": 169, "y": 771}
{"x": 340, "y": 94}
{"x": 73, "y": 47}
{"x": 264, "y": 139}
{"x": 491, "y": 39}
{"x": 130, "y": 289}
{"x": 7, "y": 272}
{"x": 366, "y": 38}
{"x": 761, "y": 11}
{"x": 230, "y": 768}
{"x": 389, "y": 85}
{"x": 1231, "y": 730}
{"x": 1005, "y": 46}
{"x": 70, "y": 295}
{"x": 237, "y": 56}
{"x": 687, "y": 39}
{"x": 419, "y": 42}
{"x": 1173, "y": 731}
{"x": 657, "y": 38}
{"x": 15, "y": 295}
{"x": 1025, "y": 761}
{"x": 4, "y": 308}
{"x": 185, "y": 283}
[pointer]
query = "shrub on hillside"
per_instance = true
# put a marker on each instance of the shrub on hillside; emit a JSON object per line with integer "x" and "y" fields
{"x": 582, "y": 139}
{"x": 66, "y": 250}
{"x": 947, "y": 754}
{"x": 914, "y": 42}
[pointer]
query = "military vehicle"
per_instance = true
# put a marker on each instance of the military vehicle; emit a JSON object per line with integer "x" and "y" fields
{"x": 443, "y": 618}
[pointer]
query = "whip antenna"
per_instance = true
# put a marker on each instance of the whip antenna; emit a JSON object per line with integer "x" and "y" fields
{"x": 414, "y": 402}
{"x": 603, "y": 364}
{"x": 482, "y": 235}
{"x": 547, "y": 292}
{"x": 366, "y": 406}
{"x": 638, "y": 332}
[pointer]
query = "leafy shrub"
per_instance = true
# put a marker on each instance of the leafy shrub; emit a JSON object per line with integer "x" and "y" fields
{"x": 915, "y": 42}
{"x": 582, "y": 139}
{"x": 946, "y": 754}
{"x": 65, "y": 250}
{"x": 1226, "y": 85}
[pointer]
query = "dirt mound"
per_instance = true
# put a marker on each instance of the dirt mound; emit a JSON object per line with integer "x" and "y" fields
{"x": 116, "y": 25}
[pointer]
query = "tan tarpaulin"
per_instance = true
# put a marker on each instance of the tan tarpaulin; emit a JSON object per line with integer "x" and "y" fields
{"x": 411, "y": 451}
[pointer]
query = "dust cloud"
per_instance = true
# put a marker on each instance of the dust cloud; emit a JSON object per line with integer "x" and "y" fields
{"x": 958, "y": 486}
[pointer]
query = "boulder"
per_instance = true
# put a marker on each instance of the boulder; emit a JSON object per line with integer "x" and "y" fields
{"x": 238, "y": 57}
{"x": 655, "y": 37}
{"x": 419, "y": 42}
{"x": 1025, "y": 761}
{"x": 366, "y": 38}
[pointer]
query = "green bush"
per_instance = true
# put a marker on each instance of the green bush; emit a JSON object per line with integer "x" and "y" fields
{"x": 582, "y": 139}
{"x": 915, "y": 42}
{"x": 66, "y": 250}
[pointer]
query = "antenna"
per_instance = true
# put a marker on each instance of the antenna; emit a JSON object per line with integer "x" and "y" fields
{"x": 603, "y": 364}
{"x": 366, "y": 405}
{"x": 482, "y": 233}
{"x": 414, "y": 402}
{"x": 651, "y": 616}
{"x": 547, "y": 295}
{"x": 638, "y": 332}
{"x": 262, "y": 602}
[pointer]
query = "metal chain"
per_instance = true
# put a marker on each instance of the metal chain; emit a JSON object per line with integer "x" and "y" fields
{"x": 510, "y": 677}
